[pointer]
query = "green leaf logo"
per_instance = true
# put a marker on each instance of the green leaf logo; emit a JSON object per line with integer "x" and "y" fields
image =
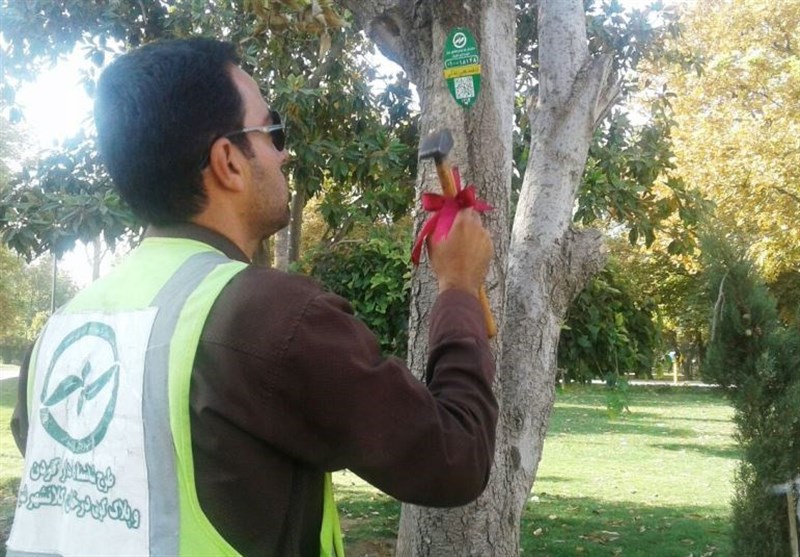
{"x": 78, "y": 388}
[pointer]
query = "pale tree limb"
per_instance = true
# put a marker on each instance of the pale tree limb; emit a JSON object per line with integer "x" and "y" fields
{"x": 389, "y": 24}
{"x": 718, "y": 307}
{"x": 562, "y": 45}
{"x": 609, "y": 87}
{"x": 584, "y": 255}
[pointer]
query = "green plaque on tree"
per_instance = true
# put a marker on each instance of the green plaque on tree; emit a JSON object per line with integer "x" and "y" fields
{"x": 462, "y": 66}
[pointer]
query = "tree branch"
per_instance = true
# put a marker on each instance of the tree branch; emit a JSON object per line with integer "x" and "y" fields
{"x": 787, "y": 192}
{"x": 388, "y": 23}
{"x": 718, "y": 308}
{"x": 609, "y": 88}
{"x": 563, "y": 53}
{"x": 583, "y": 255}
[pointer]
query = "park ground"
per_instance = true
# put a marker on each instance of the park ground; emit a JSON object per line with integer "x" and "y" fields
{"x": 652, "y": 482}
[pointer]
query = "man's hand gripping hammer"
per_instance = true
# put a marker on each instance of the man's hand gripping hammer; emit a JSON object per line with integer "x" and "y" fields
{"x": 437, "y": 146}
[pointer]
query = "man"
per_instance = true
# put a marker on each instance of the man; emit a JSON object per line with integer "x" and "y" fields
{"x": 190, "y": 403}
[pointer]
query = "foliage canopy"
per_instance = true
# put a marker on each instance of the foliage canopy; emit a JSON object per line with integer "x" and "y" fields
{"x": 737, "y": 137}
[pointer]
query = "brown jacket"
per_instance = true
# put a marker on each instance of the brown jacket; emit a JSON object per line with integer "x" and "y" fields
{"x": 288, "y": 384}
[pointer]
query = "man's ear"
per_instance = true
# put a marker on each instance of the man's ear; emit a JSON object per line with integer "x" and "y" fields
{"x": 228, "y": 164}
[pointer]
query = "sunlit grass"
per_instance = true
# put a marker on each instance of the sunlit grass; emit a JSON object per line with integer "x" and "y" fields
{"x": 10, "y": 460}
{"x": 655, "y": 482}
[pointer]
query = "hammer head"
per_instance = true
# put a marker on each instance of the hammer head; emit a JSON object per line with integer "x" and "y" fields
{"x": 436, "y": 145}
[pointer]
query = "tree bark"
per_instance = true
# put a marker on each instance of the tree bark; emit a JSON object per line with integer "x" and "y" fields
{"x": 541, "y": 266}
{"x": 280, "y": 249}
{"x": 97, "y": 257}
{"x": 296, "y": 225}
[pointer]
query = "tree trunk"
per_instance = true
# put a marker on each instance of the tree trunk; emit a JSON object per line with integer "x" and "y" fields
{"x": 263, "y": 255}
{"x": 542, "y": 266}
{"x": 296, "y": 225}
{"x": 287, "y": 240}
{"x": 97, "y": 257}
{"x": 280, "y": 249}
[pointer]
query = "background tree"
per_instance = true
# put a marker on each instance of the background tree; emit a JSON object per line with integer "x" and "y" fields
{"x": 734, "y": 124}
{"x": 610, "y": 332}
{"x": 674, "y": 283}
{"x": 26, "y": 292}
{"x": 738, "y": 132}
{"x": 304, "y": 50}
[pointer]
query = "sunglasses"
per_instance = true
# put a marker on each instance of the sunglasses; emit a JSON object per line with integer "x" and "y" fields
{"x": 276, "y": 130}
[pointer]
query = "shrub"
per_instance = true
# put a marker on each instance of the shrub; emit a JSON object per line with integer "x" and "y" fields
{"x": 373, "y": 274}
{"x": 609, "y": 330}
{"x": 757, "y": 359}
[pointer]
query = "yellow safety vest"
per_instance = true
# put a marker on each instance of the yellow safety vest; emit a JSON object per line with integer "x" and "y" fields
{"x": 109, "y": 467}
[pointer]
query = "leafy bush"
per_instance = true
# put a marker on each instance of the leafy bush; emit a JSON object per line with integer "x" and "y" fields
{"x": 373, "y": 274}
{"x": 608, "y": 331}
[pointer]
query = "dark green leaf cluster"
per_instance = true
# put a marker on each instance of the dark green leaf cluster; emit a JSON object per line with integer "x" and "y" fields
{"x": 374, "y": 273}
{"x": 66, "y": 197}
{"x": 609, "y": 331}
{"x": 757, "y": 359}
{"x": 346, "y": 142}
{"x": 351, "y": 146}
{"x": 39, "y": 32}
{"x": 768, "y": 432}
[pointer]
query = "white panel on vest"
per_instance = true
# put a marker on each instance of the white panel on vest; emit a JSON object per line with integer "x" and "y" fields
{"x": 84, "y": 487}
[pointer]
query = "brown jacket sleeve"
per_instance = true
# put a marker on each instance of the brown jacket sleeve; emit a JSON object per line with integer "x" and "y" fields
{"x": 429, "y": 445}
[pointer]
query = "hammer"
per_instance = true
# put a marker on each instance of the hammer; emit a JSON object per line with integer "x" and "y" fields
{"x": 437, "y": 145}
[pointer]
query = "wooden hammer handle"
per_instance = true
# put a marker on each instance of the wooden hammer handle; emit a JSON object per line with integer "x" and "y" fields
{"x": 445, "y": 173}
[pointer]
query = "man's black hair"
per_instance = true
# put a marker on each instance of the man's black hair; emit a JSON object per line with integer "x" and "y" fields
{"x": 158, "y": 109}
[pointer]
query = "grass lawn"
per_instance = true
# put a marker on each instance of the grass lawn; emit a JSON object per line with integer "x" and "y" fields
{"x": 655, "y": 482}
{"x": 10, "y": 460}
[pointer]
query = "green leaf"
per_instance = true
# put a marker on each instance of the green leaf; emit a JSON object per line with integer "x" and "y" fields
{"x": 96, "y": 386}
{"x": 68, "y": 385}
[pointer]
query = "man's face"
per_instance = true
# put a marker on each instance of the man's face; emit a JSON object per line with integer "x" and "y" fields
{"x": 268, "y": 210}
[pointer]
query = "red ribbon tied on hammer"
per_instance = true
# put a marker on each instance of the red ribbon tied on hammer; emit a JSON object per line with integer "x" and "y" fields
{"x": 444, "y": 211}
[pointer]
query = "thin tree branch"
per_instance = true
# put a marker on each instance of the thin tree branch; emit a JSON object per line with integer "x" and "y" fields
{"x": 718, "y": 307}
{"x": 787, "y": 192}
{"x": 584, "y": 255}
{"x": 610, "y": 88}
{"x": 388, "y": 23}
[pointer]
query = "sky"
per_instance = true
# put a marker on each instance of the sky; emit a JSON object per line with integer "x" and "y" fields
{"x": 55, "y": 105}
